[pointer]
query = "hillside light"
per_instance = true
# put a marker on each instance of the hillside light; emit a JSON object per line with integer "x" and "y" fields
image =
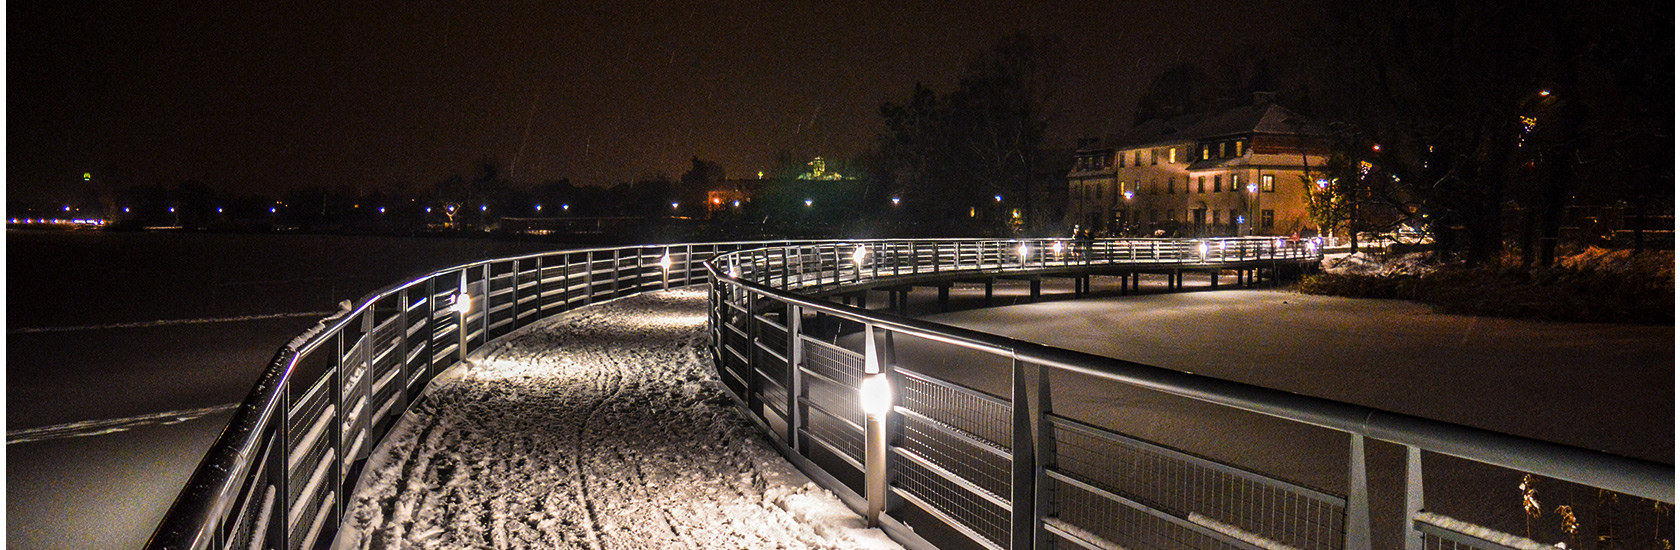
{"x": 858, "y": 256}
{"x": 483, "y": 207}
{"x": 463, "y": 303}
{"x": 875, "y": 395}
{"x": 807, "y": 203}
{"x": 1545, "y": 93}
{"x": 565, "y": 207}
{"x": 428, "y": 210}
{"x": 88, "y": 176}
{"x": 998, "y": 198}
{"x": 717, "y": 200}
{"x": 219, "y": 210}
{"x": 67, "y": 209}
{"x": 125, "y": 209}
{"x": 895, "y": 201}
{"x": 673, "y": 206}
{"x": 1376, "y": 147}
{"x": 381, "y": 210}
{"x": 271, "y": 210}
{"x": 171, "y": 209}
{"x": 737, "y": 203}
{"x": 539, "y": 208}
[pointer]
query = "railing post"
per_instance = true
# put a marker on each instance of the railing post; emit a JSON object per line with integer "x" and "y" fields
{"x": 615, "y": 261}
{"x": 795, "y": 382}
{"x": 461, "y": 316}
{"x": 1023, "y": 520}
{"x": 588, "y": 278}
{"x": 1044, "y": 498}
{"x": 1357, "y": 532}
{"x": 1414, "y": 498}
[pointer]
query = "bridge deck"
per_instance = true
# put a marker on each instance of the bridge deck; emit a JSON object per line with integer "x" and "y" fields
{"x": 602, "y": 428}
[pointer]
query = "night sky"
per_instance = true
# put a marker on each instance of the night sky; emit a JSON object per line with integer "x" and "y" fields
{"x": 267, "y": 97}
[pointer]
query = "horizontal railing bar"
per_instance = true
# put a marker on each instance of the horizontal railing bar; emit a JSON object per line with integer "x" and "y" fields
{"x": 971, "y": 439}
{"x": 955, "y": 479}
{"x": 945, "y": 518}
{"x": 1183, "y": 522}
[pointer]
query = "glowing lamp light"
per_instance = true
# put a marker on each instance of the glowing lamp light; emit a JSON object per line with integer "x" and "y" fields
{"x": 998, "y": 198}
{"x": 665, "y": 262}
{"x": 1545, "y": 93}
{"x": 565, "y": 207}
{"x": 219, "y": 210}
{"x": 428, "y": 210}
{"x": 483, "y": 207}
{"x": 875, "y": 394}
{"x": 1253, "y": 188}
{"x": 1323, "y": 183}
{"x": 125, "y": 209}
{"x": 539, "y": 208}
{"x": 463, "y": 303}
{"x": 673, "y": 206}
{"x": 67, "y": 209}
{"x": 895, "y": 201}
{"x": 858, "y": 255}
{"x": 1202, "y": 249}
{"x": 717, "y": 200}
{"x": 88, "y": 176}
{"x": 1376, "y": 147}
{"x": 171, "y": 209}
{"x": 1280, "y": 242}
{"x": 1022, "y": 251}
{"x": 381, "y": 210}
{"x": 807, "y": 203}
{"x": 1057, "y": 247}
{"x": 271, "y": 210}
{"x": 1128, "y": 195}
{"x": 1241, "y": 219}
{"x": 737, "y": 204}
{"x": 734, "y": 271}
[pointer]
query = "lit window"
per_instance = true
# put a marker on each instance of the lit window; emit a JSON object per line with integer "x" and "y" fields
{"x": 1222, "y": 149}
{"x": 1236, "y": 182}
{"x": 1239, "y": 147}
{"x": 1172, "y": 156}
{"x": 1266, "y": 182}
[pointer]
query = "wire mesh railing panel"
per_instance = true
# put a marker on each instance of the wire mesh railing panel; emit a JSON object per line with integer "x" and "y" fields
{"x": 1186, "y": 486}
{"x": 845, "y": 437}
{"x": 922, "y": 483}
{"x": 982, "y": 464}
{"x": 970, "y": 411}
{"x": 1133, "y": 527}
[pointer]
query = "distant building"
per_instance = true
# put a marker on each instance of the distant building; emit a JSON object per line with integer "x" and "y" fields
{"x": 1232, "y": 172}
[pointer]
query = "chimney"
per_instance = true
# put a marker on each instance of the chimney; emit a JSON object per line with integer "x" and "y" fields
{"x": 1262, "y": 99}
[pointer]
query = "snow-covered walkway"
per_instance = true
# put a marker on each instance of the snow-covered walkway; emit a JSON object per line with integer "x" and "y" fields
{"x": 602, "y": 428}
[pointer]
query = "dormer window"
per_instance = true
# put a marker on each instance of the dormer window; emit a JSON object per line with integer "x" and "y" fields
{"x": 1172, "y": 155}
{"x": 1222, "y": 152}
{"x": 1205, "y": 149}
{"x": 1239, "y": 147}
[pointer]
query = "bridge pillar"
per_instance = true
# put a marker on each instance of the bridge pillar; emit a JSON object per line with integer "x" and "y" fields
{"x": 1213, "y": 280}
{"x": 1123, "y": 277}
{"x": 944, "y": 298}
{"x": 1035, "y": 285}
{"x": 989, "y": 292}
{"x": 1134, "y": 282}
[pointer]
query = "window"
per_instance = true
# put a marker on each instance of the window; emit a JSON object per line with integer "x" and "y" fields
{"x": 1222, "y": 151}
{"x": 1236, "y": 182}
{"x": 1216, "y": 184}
{"x": 1239, "y": 147}
{"x": 1154, "y": 157}
{"x": 1201, "y": 184}
{"x": 1205, "y": 152}
{"x": 1137, "y": 158}
{"x": 1169, "y": 185}
{"x": 1172, "y": 155}
{"x": 1265, "y": 219}
{"x": 1266, "y": 183}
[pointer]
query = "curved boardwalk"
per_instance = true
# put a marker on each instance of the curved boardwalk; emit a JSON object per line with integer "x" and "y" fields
{"x": 603, "y": 428}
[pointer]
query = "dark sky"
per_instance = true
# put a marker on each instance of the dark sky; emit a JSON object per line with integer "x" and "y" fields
{"x": 268, "y": 96}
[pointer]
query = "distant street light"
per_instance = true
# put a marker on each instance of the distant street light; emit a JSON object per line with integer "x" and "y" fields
{"x": 483, "y": 207}
{"x": 673, "y": 206}
{"x": 565, "y": 207}
{"x": 539, "y": 208}
{"x": 895, "y": 201}
{"x": 998, "y": 198}
{"x": 807, "y": 203}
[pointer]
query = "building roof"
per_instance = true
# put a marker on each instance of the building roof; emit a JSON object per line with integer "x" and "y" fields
{"x": 1262, "y": 118}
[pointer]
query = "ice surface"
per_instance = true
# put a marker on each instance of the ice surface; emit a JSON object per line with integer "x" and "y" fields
{"x": 601, "y": 428}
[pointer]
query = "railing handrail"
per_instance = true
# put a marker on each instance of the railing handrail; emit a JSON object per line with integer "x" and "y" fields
{"x": 1638, "y": 477}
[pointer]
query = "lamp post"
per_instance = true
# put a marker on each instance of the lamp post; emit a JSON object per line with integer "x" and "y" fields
{"x": 1253, "y": 195}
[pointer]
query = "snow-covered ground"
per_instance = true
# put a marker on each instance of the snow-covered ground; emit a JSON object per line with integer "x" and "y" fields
{"x": 600, "y": 428}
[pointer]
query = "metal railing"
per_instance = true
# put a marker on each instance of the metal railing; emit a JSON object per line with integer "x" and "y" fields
{"x": 279, "y": 474}
{"x": 1000, "y": 443}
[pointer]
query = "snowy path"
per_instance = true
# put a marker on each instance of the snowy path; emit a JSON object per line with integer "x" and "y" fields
{"x": 603, "y": 428}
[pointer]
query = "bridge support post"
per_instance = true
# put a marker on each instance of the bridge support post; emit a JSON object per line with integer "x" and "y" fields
{"x": 988, "y": 292}
{"x": 1036, "y": 286}
{"x": 1213, "y": 279}
{"x": 944, "y": 298}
